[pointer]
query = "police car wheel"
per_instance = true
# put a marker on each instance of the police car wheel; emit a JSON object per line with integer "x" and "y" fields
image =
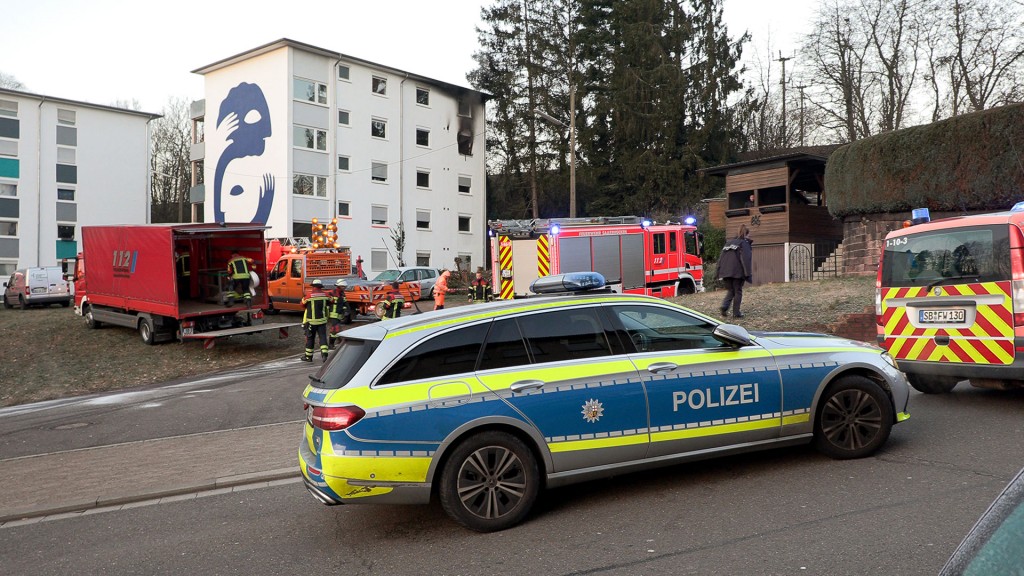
{"x": 932, "y": 384}
{"x": 489, "y": 482}
{"x": 854, "y": 418}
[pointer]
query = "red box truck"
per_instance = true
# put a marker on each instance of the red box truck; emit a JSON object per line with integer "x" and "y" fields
{"x": 169, "y": 281}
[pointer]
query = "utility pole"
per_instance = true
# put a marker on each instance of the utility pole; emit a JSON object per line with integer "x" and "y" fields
{"x": 785, "y": 136}
{"x": 801, "y": 89}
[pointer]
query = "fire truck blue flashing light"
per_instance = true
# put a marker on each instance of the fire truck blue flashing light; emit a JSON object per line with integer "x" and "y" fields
{"x": 920, "y": 216}
{"x": 645, "y": 223}
{"x": 1019, "y": 206}
{"x": 689, "y": 221}
{"x": 555, "y": 229}
{"x": 566, "y": 283}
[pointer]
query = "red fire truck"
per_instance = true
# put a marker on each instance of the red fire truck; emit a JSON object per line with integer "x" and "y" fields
{"x": 635, "y": 255}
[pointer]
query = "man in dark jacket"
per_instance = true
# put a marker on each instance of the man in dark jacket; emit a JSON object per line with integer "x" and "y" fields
{"x": 734, "y": 269}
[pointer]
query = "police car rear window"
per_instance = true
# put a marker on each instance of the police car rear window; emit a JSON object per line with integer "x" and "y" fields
{"x": 347, "y": 360}
{"x": 952, "y": 256}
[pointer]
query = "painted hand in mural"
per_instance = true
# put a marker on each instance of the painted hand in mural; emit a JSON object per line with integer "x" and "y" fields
{"x": 243, "y": 124}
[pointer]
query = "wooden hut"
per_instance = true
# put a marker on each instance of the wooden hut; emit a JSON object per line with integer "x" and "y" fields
{"x": 782, "y": 200}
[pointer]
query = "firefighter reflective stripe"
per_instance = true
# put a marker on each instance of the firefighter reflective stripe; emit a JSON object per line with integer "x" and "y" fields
{"x": 988, "y": 340}
{"x": 505, "y": 267}
{"x": 543, "y": 256}
{"x": 316, "y": 309}
{"x": 239, "y": 268}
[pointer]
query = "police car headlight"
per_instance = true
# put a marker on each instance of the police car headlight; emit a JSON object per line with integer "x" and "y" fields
{"x": 889, "y": 360}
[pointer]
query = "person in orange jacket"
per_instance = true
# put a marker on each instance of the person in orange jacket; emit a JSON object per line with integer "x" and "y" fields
{"x": 440, "y": 289}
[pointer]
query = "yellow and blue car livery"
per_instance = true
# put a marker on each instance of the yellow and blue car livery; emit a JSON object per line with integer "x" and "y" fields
{"x": 593, "y": 385}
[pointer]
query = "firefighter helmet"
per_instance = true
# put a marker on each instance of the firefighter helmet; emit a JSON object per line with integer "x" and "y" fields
{"x": 340, "y": 283}
{"x": 317, "y": 283}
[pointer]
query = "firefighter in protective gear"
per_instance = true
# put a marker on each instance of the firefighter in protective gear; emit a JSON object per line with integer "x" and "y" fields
{"x": 239, "y": 270}
{"x": 338, "y": 313}
{"x": 441, "y": 289}
{"x": 314, "y": 320}
{"x": 480, "y": 289}
{"x": 393, "y": 303}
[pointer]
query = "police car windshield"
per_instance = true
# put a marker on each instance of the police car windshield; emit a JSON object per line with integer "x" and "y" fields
{"x": 344, "y": 363}
{"x": 953, "y": 256}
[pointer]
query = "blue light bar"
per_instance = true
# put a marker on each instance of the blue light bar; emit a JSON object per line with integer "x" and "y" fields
{"x": 565, "y": 283}
{"x": 645, "y": 223}
{"x": 689, "y": 221}
{"x": 555, "y": 229}
{"x": 1019, "y": 206}
{"x": 920, "y": 216}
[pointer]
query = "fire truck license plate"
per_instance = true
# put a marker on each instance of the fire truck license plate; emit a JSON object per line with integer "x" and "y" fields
{"x": 951, "y": 316}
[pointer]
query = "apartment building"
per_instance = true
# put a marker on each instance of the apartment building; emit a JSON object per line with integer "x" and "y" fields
{"x": 289, "y": 132}
{"x": 65, "y": 164}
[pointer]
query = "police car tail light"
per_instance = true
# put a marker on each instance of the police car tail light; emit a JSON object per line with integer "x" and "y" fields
{"x": 335, "y": 417}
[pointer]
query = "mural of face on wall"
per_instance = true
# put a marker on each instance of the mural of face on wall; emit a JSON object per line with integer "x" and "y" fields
{"x": 243, "y": 121}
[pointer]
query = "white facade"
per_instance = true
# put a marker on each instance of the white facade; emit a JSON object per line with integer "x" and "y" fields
{"x": 342, "y": 137}
{"x": 63, "y": 165}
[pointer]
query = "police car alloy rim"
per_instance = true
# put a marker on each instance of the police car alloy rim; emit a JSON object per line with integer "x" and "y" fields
{"x": 491, "y": 482}
{"x": 851, "y": 419}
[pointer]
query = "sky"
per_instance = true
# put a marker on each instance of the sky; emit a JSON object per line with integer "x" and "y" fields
{"x": 104, "y": 51}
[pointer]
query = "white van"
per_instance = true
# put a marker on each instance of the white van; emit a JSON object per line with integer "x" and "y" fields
{"x": 37, "y": 286}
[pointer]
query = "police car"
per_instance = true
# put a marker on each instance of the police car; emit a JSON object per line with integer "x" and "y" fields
{"x": 482, "y": 406}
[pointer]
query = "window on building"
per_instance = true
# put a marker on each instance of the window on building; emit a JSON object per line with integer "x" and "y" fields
{"x": 8, "y": 228}
{"x": 65, "y": 231}
{"x": 379, "y": 215}
{"x": 67, "y": 136}
{"x": 66, "y": 194}
{"x": 302, "y": 229}
{"x": 198, "y": 130}
{"x": 310, "y": 91}
{"x": 9, "y": 148}
{"x": 310, "y": 138}
{"x": 465, "y": 108}
{"x": 464, "y": 139}
{"x": 463, "y": 223}
{"x": 8, "y": 189}
{"x": 65, "y": 155}
{"x": 379, "y": 128}
{"x": 343, "y": 117}
{"x": 343, "y": 163}
{"x": 379, "y": 85}
{"x": 67, "y": 174}
{"x": 343, "y": 72}
{"x": 422, "y": 137}
{"x": 423, "y": 258}
{"x": 307, "y": 185}
{"x": 465, "y": 184}
{"x": 8, "y": 108}
{"x": 344, "y": 209}
{"x": 423, "y": 219}
{"x": 422, "y": 179}
{"x": 66, "y": 117}
{"x": 8, "y": 268}
{"x": 423, "y": 97}
{"x": 198, "y": 172}
{"x": 11, "y": 128}
{"x": 378, "y": 260}
{"x": 379, "y": 171}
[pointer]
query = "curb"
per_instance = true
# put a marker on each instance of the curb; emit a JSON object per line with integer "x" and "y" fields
{"x": 111, "y": 500}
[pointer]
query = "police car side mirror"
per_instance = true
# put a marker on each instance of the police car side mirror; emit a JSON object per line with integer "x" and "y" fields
{"x": 732, "y": 335}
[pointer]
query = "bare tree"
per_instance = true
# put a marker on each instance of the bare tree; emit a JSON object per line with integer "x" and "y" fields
{"x": 171, "y": 163}
{"x": 988, "y": 46}
{"x": 10, "y": 82}
{"x": 837, "y": 50}
{"x": 894, "y": 30}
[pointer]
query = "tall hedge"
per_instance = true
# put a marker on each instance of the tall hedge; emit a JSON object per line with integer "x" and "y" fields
{"x": 969, "y": 162}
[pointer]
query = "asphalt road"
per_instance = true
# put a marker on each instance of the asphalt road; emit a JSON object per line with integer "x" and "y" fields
{"x": 787, "y": 511}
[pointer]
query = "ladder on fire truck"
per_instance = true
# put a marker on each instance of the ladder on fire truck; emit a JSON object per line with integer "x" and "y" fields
{"x": 527, "y": 228}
